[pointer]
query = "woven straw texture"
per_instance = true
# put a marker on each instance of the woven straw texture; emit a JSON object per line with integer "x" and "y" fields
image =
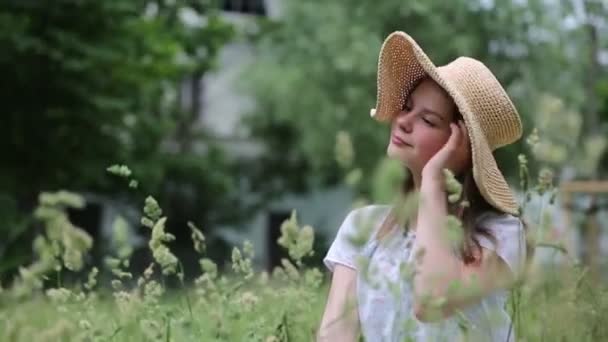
{"x": 491, "y": 119}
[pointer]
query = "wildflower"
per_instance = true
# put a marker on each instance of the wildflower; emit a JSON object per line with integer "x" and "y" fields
{"x": 248, "y": 249}
{"x": 354, "y": 177}
{"x": 394, "y": 289}
{"x": 313, "y": 278}
{"x": 80, "y": 297}
{"x": 72, "y": 259}
{"x": 248, "y": 300}
{"x": 263, "y": 278}
{"x": 242, "y": 265}
{"x": 545, "y": 180}
{"x": 368, "y": 272}
{"x": 550, "y": 152}
{"x": 146, "y": 222}
{"x": 59, "y": 331}
{"x": 133, "y": 184}
{"x": 452, "y": 185}
{"x": 149, "y": 271}
{"x": 465, "y": 204}
{"x": 279, "y": 274}
{"x": 533, "y": 138}
{"x": 122, "y": 274}
{"x": 406, "y": 271}
{"x": 119, "y": 170}
{"x": 60, "y": 295}
{"x": 419, "y": 253}
{"x": 291, "y": 271}
{"x": 125, "y": 302}
{"x": 454, "y": 231}
{"x": 60, "y": 200}
{"x": 84, "y": 324}
{"x": 116, "y": 284}
{"x": 112, "y": 263}
{"x": 344, "y": 150}
{"x": 152, "y": 209}
{"x": 209, "y": 267}
{"x": 120, "y": 238}
{"x": 407, "y": 206}
{"x": 161, "y": 253}
{"x": 165, "y": 259}
{"x": 197, "y": 237}
{"x": 298, "y": 241}
{"x": 30, "y": 279}
{"x": 63, "y": 239}
{"x": 594, "y": 148}
{"x": 151, "y": 329}
{"x": 153, "y": 291}
{"x": 92, "y": 279}
{"x": 386, "y": 180}
{"x": 361, "y": 234}
{"x": 523, "y": 171}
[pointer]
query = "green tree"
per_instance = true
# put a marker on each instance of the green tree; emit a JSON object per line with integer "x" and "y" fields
{"x": 315, "y": 75}
{"x": 90, "y": 83}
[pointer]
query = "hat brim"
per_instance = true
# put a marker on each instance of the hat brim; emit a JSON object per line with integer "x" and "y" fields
{"x": 401, "y": 55}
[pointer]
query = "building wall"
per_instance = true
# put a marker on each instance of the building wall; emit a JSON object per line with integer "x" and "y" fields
{"x": 222, "y": 110}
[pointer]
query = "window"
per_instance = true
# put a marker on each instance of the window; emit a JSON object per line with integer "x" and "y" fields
{"x": 255, "y": 7}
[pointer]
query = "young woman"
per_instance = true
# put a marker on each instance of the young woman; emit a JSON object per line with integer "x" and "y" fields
{"x": 451, "y": 117}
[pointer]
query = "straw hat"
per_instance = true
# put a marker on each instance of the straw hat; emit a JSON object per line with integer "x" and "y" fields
{"x": 491, "y": 118}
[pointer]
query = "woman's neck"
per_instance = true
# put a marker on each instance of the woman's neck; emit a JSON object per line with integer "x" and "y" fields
{"x": 417, "y": 178}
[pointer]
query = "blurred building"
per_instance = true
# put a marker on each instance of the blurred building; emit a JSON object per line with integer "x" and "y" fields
{"x": 221, "y": 107}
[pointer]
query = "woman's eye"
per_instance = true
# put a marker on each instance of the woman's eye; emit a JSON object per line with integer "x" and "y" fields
{"x": 428, "y": 122}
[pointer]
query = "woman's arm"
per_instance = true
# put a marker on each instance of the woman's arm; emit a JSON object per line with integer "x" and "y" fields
{"x": 340, "y": 320}
{"x": 438, "y": 267}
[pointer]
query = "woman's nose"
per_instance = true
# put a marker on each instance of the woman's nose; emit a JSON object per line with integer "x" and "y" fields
{"x": 404, "y": 121}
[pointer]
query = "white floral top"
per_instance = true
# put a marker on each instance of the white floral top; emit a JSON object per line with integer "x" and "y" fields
{"x": 384, "y": 297}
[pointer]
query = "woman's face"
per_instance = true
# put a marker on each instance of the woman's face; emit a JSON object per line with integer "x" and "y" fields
{"x": 423, "y": 125}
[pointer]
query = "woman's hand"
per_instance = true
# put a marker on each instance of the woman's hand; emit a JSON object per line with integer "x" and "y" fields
{"x": 455, "y": 155}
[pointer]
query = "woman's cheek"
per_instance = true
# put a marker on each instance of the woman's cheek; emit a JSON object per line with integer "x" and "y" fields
{"x": 425, "y": 153}
{"x": 430, "y": 147}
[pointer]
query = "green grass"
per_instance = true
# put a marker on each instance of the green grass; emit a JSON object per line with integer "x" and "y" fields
{"x": 558, "y": 302}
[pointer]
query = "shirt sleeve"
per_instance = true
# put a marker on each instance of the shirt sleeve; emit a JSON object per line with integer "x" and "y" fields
{"x": 510, "y": 244}
{"x": 344, "y": 250}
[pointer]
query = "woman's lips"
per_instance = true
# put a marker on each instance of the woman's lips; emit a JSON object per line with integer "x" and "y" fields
{"x": 398, "y": 141}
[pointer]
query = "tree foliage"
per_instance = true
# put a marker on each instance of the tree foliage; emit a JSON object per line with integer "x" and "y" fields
{"x": 316, "y": 73}
{"x": 86, "y": 84}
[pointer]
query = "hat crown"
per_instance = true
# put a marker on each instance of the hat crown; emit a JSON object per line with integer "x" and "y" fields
{"x": 485, "y": 98}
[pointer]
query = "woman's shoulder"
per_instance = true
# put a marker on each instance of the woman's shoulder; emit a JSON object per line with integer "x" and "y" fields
{"x": 508, "y": 238}
{"x": 353, "y": 235}
{"x": 505, "y": 229}
{"x": 370, "y": 211}
{"x": 365, "y": 219}
{"x": 495, "y": 220}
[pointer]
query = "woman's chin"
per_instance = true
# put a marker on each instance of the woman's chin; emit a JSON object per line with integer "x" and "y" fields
{"x": 397, "y": 152}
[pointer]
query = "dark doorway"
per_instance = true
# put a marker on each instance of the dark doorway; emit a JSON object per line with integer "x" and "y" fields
{"x": 273, "y": 232}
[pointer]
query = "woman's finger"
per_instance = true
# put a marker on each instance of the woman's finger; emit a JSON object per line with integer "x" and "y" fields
{"x": 455, "y": 137}
{"x": 465, "y": 133}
